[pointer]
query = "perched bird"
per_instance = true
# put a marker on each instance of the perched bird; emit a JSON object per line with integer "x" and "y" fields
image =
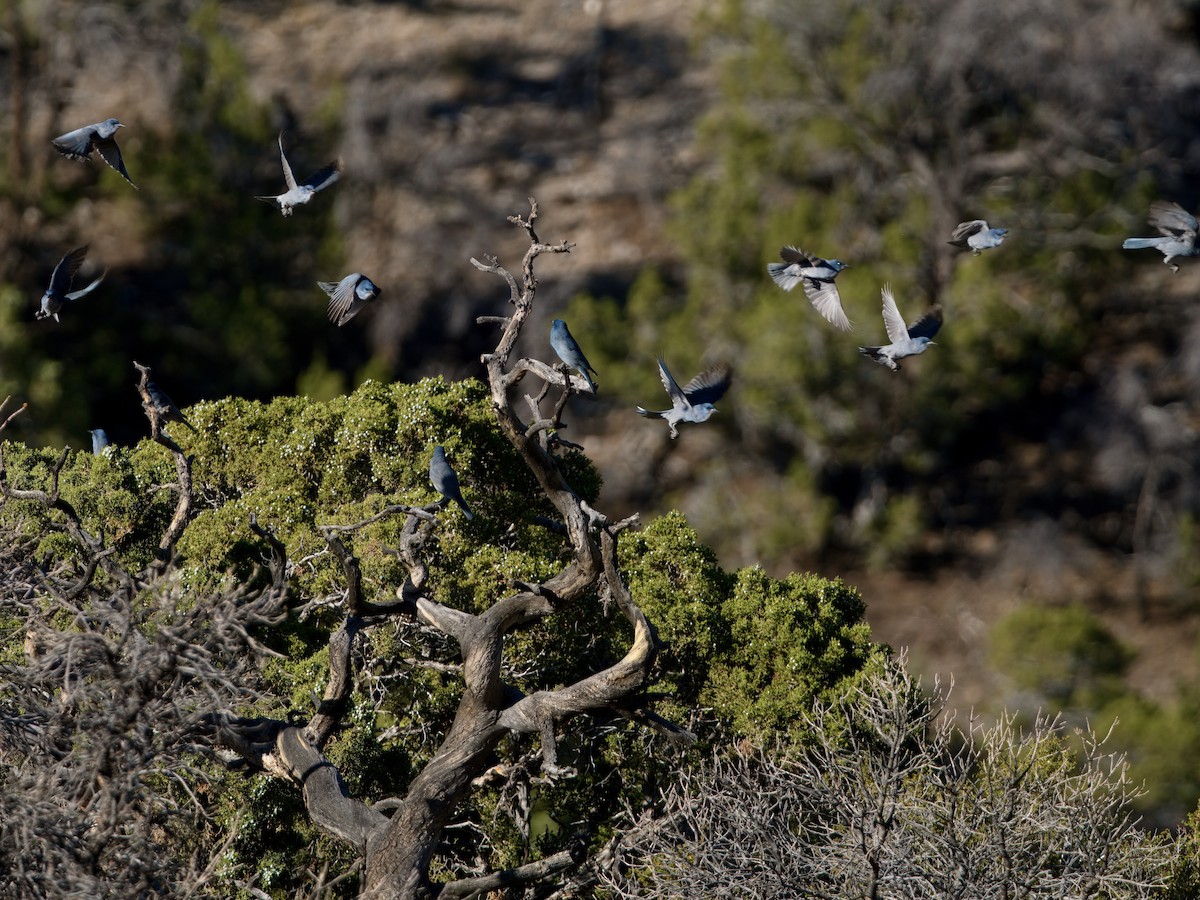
{"x": 977, "y": 236}
{"x": 165, "y": 406}
{"x": 80, "y": 143}
{"x": 694, "y": 402}
{"x": 348, "y": 296}
{"x": 99, "y": 440}
{"x": 905, "y": 340}
{"x": 299, "y": 194}
{"x": 568, "y": 351}
{"x": 817, "y": 275}
{"x": 445, "y": 481}
{"x": 1178, "y": 227}
{"x": 59, "y": 291}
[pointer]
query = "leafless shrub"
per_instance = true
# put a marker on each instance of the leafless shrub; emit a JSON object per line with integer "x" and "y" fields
{"x": 894, "y": 799}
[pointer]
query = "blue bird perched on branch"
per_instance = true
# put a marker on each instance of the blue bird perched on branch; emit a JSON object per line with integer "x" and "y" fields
{"x": 568, "y": 351}
{"x": 445, "y": 481}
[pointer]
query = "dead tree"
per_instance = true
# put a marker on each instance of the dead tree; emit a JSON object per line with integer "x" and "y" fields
{"x": 102, "y": 720}
{"x": 893, "y": 798}
{"x": 398, "y": 849}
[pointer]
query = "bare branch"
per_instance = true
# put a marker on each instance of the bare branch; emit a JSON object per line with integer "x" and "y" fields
{"x": 183, "y": 468}
{"x": 521, "y": 875}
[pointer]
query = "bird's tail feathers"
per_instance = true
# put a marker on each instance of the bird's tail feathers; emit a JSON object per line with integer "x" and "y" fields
{"x": 272, "y": 200}
{"x": 1140, "y": 243}
{"x": 778, "y": 273}
{"x": 650, "y": 414}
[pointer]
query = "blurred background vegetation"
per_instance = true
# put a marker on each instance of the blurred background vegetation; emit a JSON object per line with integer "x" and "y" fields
{"x": 1032, "y": 476}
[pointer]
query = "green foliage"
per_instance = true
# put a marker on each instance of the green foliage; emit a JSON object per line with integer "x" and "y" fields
{"x": 1184, "y": 883}
{"x": 752, "y": 650}
{"x": 793, "y": 640}
{"x": 1063, "y": 653}
{"x": 1065, "y": 658}
{"x": 858, "y": 145}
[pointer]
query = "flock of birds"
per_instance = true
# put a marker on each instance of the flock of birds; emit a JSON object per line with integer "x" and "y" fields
{"x": 692, "y": 403}
{"x": 346, "y": 297}
{"x": 818, "y": 276}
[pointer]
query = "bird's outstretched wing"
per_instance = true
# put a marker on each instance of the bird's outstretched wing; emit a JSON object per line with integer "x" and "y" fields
{"x": 791, "y": 255}
{"x": 341, "y": 298}
{"x": 75, "y": 144}
{"x": 288, "y": 177}
{"x": 75, "y": 295}
{"x": 710, "y": 385}
{"x": 111, "y": 154}
{"x": 826, "y": 300}
{"x": 60, "y": 280}
{"x": 1172, "y": 219}
{"x": 324, "y": 177}
{"x": 344, "y": 300}
{"x": 673, "y": 391}
{"x": 897, "y": 331}
{"x": 928, "y": 324}
{"x": 964, "y": 230}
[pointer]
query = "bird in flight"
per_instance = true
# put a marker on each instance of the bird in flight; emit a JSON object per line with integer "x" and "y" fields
{"x": 299, "y": 194}
{"x": 906, "y": 340}
{"x": 1178, "y": 228}
{"x": 977, "y": 236}
{"x": 348, "y": 296}
{"x": 59, "y": 291}
{"x": 817, "y": 277}
{"x": 694, "y": 401}
{"x": 101, "y": 137}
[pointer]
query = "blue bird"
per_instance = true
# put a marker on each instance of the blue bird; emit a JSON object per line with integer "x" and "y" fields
{"x": 99, "y": 440}
{"x": 1178, "y": 227}
{"x": 59, "y": 291}
{"x": 694, "y": 401}
{"x": 568, "y": 351}
{"x": 905, "y": 340}
{"x": 977, "y": 236}
{"x": 348, "y": 296}
{"x": 445, "y": 481}
{"x": 817, "y": 276}
{"x": 165, "y": 406}
{"x": 101, "y": 137}
{"x": 299, "y": 194}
